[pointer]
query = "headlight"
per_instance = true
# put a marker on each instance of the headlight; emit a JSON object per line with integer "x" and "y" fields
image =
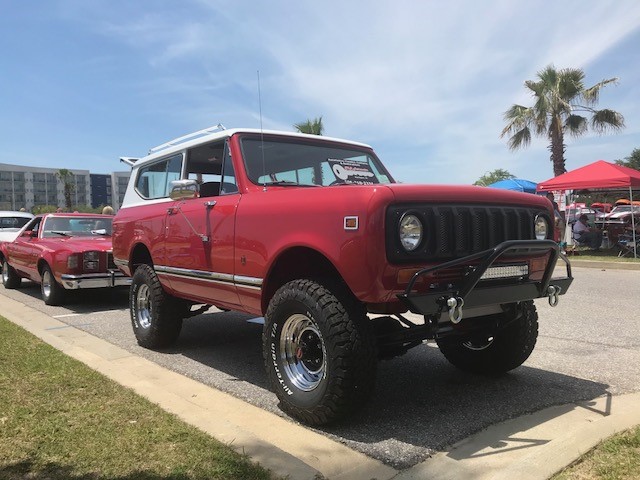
{"x": 410, "y": 231}
{"x": 72, "y": 261}
{"x": 541, "y": 226}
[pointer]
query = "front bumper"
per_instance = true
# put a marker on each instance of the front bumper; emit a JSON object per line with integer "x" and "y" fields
{"x": 471, "y": 292}
{"x": 112, "y": 278}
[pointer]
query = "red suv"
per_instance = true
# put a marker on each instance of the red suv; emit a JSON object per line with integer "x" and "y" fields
{"x": 315, "y": 235}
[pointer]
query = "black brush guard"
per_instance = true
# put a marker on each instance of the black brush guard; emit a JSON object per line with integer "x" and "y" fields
{"x": 469, "y": 293}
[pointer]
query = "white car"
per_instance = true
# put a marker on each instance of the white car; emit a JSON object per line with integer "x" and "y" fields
{"x": 11, "y": 223}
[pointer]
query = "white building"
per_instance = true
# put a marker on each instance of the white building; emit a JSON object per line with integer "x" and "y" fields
{"x": 27, "y": 187}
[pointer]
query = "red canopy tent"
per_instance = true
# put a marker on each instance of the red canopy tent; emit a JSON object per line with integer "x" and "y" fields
{"x": 597, "y": 175}
{"x": 600, "y": 174}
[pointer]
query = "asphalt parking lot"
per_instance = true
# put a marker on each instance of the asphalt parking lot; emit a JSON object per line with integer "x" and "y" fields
{"x": 588, "y": 348}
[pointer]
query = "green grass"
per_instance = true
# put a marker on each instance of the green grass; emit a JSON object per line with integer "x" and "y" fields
{"x": 617, "y": 458}
{"x": 606, "y": 255}
{"x": 61, "y": 420}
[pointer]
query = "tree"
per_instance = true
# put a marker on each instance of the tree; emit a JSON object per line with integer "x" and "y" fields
{"x": 314, "y": 127}
{"x": 493, "y": 177}
{"x": 632, "y": 161}
{"x": 560, "y": 99}
{"x": 67, "y": 178}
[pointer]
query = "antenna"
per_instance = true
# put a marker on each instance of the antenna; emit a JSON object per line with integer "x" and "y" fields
{"x": 264, "y": 167}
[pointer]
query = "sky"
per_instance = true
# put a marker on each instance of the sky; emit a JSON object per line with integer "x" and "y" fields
{"x": 426, "y": 83}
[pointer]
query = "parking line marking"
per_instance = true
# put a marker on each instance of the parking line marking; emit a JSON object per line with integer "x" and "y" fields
{"x": 68, "y": 326}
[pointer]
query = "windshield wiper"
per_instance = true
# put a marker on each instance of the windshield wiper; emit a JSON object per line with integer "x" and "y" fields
{"x": 288, "y": 183}
{"x": 100, "y": 231}
{"x": 60, "y": 232}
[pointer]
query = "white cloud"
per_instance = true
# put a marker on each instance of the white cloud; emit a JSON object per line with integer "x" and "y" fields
{"x": 424, "y": 82}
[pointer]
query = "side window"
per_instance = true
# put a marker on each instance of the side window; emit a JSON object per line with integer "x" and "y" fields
{"x": 154, "y": 181}
{"x": 204, "y": 164}
{"x": 229, "y": 183}
{"x": 34, "y": 225}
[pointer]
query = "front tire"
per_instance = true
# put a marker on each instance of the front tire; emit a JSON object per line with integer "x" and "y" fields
{"x": 155, "y": 315}
{"x": 52, "y": 292}
{"x": 10, "y": 278}
{"x": 319, "y": 352}
{"x": 499, "y": 352}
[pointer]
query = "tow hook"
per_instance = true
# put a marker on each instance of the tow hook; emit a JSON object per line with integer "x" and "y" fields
{"x": 553, "y": 292}
{"x": 455, "y": 305}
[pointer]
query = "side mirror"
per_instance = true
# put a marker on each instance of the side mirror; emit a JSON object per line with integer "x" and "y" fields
{"x": 30, "y": 233}
{"x": 184, "y": 189}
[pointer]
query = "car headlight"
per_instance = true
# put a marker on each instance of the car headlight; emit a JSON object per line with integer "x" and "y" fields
{"x": 541, "y": 225}
{"x": 410, "y": 231}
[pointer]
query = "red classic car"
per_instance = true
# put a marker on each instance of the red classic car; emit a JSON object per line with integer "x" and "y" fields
{"x": 619, "y": 220}
{"x": 62, "y": 252}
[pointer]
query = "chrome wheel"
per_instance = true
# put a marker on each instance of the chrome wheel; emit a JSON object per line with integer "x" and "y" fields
{"x": 303, "y": 352}
{"x": 143, "y": 304}
{"x": 46, "y": 284}
{"x": 5, "y": 273}
{"x": 478, "y": 344}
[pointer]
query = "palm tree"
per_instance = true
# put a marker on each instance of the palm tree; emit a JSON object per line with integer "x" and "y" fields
{"x": 67, "y": 179}
{"x": 314, "y": 127}
{"x": 560, "y": 99}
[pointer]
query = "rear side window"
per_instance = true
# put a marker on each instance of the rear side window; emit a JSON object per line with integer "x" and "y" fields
{"x": 154, "y": 181}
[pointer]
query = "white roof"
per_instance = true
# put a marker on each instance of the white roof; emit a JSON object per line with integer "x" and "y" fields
{"x": 177, "y": 145}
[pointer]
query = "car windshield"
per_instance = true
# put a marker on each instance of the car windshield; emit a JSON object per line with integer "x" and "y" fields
{"x": 625, "y": 208}
{"x": 301, "y": 162}
{"x": 77, "y": 226}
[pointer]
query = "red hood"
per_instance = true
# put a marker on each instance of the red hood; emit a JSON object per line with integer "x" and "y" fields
{"x": 465, "y": 194}
{"x": 79, "y": 243}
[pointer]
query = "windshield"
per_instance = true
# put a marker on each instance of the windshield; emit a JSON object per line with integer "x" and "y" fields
{"x": 77, "y": 226}
{"x": 292, "y": 161}
{"x": 625, "y": 208}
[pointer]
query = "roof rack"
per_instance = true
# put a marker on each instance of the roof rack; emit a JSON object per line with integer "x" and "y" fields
{"x": 129, "y": 160}
{"x": 216, "y": 128}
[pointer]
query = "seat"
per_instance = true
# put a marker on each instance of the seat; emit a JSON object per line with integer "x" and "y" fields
{"x": 228, "y": 187}
{"x": 625, "y": 244}
{"x": 210, "y": 189}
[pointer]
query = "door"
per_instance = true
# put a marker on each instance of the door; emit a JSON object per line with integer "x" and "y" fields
{"x": 199, "y": 248}
{"x": 200, "y": 232}
{"x": 23, "y": 252}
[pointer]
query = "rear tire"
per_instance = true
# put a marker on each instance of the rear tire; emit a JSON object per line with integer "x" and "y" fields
{"x": 156, "y": 316}
{"x": 499, "y": 352}
{"x": 319, "y": 352}
{"x": 52, "y": 292}
{"x": 10, "y": 278}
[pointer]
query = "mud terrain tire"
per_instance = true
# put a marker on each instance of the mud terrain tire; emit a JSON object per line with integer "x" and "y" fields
{"x": 497, "y": 354}
{"x": 319, "y": 352}
{"x": 156, "y": 316}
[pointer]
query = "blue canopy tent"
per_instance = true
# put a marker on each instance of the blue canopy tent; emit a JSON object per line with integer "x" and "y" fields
{"x": 516, "y": 184}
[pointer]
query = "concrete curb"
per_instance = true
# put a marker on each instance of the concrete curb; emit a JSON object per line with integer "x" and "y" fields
{"x": 545, "y": 441}
{"x": 605, "y": 265}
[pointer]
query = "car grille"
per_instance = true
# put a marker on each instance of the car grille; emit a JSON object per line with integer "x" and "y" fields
{"x": 110, "y": 263}
{"x": 453, "y": 231}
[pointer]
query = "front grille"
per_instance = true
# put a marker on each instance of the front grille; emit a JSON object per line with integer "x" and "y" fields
{"x": 110, "y": 263}
{"x": 453, "y": 231}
